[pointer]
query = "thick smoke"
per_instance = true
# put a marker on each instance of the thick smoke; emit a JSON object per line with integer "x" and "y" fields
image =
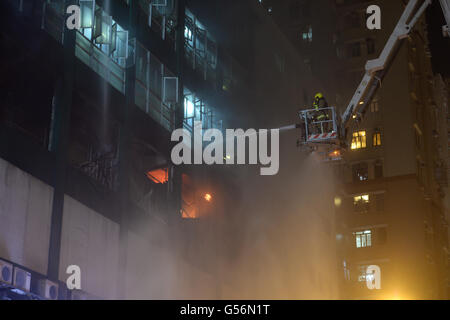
{"x": 279, "y": 243}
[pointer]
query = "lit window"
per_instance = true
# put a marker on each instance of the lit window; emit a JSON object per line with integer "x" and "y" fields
{"x": 189, "y": 109}
{"x": 87, "y": 13}
{"x": 187, "y": 33}
{"x": 359, "y": 140}
{"x": 363, "y": 276}
{"x": 361, "y": 203}
{"x": 307, "y": 35}
{"x": 363, "y": 238}
{"x": 377, "y": 139}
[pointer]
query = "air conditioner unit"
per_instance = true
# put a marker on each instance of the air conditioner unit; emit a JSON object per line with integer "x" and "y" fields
{"x": 22, "y": 279}
{"x": 48, "y": 289}
{"x": 6, "y": 272}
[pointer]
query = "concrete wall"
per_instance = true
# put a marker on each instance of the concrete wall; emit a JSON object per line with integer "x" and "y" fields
{"x": 25, "y": 211}
{"x": 92, "y": 242}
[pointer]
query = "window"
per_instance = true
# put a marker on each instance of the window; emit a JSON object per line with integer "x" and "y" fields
{"x": 370, "y": 46}
{"x": 307, "y": 34}
{"x": 355, "y": 49}
{"x": 188, "y": 108}
{"x": 378, "y": 169}
{"x": 196, "y": 109}
{"x": 375, "y": 106}
{"x": 376, "y": 139}
{"x": 360, "y": 172}
{"x": 306, "y": 9}
{"x": 200, "y": 47}
{"x": 353, "y": 20}
{"x": 363, "y": 239}
{"x": 188, "y": 33}
{"x": 294, "y": 10}
{"x": 361, "y": 203}
{"x": 102, "y": 44}
{"x": 363, "y": 276}
{"x": 359, "y": 140}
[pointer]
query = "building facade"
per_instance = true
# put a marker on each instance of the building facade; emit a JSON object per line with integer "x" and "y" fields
{"x": 391, "y": 205}
{"x": 85, "y": 143}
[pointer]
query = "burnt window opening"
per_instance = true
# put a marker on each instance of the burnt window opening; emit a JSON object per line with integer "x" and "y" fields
{"x": 93, "y": 144}
{"x": 148, "y": 177}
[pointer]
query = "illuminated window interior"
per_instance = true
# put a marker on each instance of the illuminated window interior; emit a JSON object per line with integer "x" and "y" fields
{"x": 359, "y": 140}
{"x": 363, "y": 276}
{"x": 361, "y": 203}
{"x": 307, "y": 35}
{"x": 377, "y": 139}
{"x": 363, "y": 238}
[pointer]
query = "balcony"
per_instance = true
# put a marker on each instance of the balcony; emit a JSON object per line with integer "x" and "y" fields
{"x": 149, "y": 89}
{"x": 101, "y": 43}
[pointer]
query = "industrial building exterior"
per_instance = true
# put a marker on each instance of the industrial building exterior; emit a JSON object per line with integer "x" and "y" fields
{"x": 392, "y": 204}
{"x": 86, "y": 120}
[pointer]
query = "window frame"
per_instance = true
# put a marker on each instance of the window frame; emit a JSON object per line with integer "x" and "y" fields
{"x": 376, "y": 139}
{"x": 359, "y": 138}
{"x": 363, "y": 239}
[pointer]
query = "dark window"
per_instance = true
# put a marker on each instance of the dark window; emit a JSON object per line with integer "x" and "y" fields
{"x": 306, "y": 9}
{"x": 353, "y": 20}
{"x": 360, "y": 172}
{"x": 294, "y": 10}
{"x": 355, "y": 49}
{"x": 370, "y": 46}
{"x": 378, "y": 168}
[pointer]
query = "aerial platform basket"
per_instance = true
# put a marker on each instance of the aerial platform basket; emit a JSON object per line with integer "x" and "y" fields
{"x": 321, "y": 136}
{"x": 320, "y": 131}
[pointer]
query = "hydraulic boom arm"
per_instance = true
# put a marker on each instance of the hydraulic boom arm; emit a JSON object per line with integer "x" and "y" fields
{"x": 376, "y": 69}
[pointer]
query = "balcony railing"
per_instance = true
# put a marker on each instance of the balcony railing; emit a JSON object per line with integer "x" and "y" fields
{"x": 100, "y": 62}
{"x": 150, "y": 73}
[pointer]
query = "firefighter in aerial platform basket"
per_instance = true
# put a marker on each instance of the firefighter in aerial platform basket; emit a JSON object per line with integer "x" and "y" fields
{"x": 320, "y": 115}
